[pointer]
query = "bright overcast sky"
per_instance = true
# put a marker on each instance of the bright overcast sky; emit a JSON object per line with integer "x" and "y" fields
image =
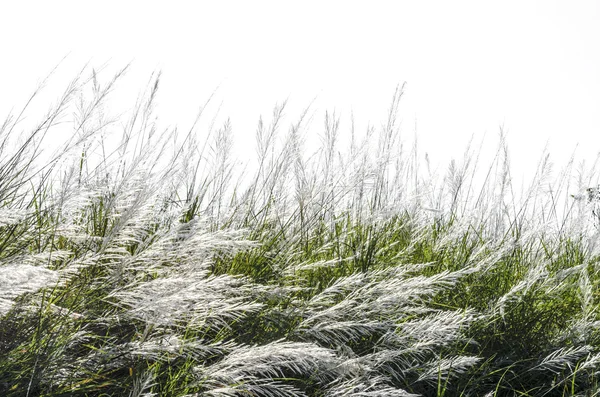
{"x": 470, "y": 66}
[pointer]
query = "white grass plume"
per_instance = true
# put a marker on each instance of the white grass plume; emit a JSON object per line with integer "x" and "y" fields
{"x": 256, "y": 365}
{"x": 20, "y": 279}
{"x": 566, "y": 357}
{"x": 447, "y": 367}
{"x": 374, "y": 386}
{"x": 191, "y": 297}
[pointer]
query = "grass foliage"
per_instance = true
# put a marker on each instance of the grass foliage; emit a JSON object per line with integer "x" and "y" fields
{"x": 138, "y": 262}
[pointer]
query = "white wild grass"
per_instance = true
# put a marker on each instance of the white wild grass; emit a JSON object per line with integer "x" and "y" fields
{"x": 136, "y": 261}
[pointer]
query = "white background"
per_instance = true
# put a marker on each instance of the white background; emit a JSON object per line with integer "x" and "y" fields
{"x": 471, "y": 67}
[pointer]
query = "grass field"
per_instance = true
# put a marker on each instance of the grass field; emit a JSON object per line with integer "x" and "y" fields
{"x": 136, "y": 262}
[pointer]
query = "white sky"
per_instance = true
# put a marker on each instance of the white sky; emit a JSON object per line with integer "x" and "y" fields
{"x": 470, "y": 66}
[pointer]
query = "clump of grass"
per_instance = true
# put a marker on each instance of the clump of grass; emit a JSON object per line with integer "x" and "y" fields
{"x": 132, "y": 264}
